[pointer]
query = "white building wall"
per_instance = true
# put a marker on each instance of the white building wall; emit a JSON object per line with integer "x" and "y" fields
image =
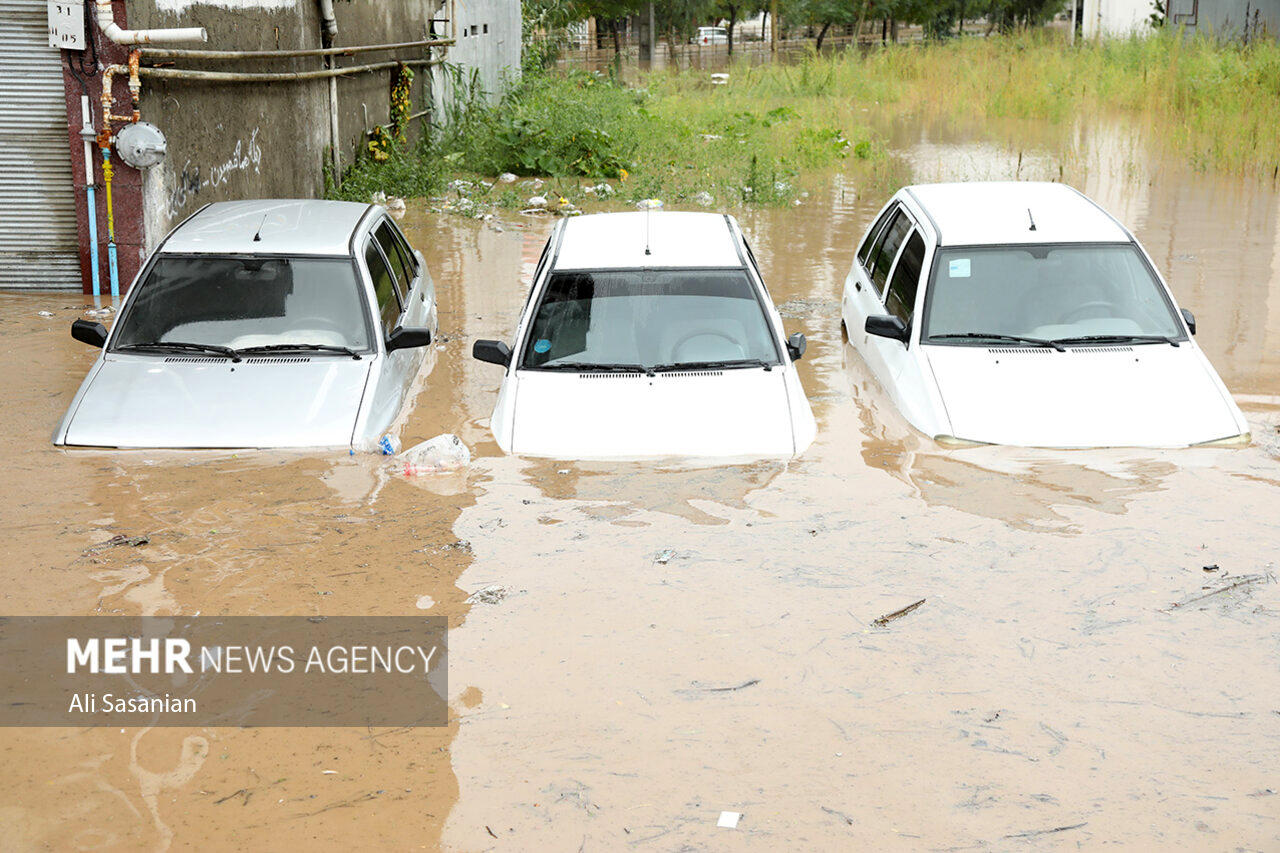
{"x": 1110, "y": 18}
{"x": 487, "y": 34}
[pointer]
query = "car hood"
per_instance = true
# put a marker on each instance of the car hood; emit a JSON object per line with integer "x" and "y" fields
{"x": 1113, "y": 396}
{"x": 196, "y": 402}
{"x": 704, "y": 414}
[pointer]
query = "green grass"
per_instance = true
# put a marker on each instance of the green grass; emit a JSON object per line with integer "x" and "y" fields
{"x": 773, "y": 129}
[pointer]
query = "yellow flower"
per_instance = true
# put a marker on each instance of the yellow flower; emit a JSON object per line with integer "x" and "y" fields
{"x": 622, "y": 174}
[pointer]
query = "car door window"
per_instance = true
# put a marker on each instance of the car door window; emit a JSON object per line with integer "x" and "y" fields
{"x": 383, "y": 285}
{"x": 886, "y": 249}
{"x": 400, "y": 266}
{"x": 406, "y": 251}
{"x": 901, "y": 298}
{"x": 864, "y": 251}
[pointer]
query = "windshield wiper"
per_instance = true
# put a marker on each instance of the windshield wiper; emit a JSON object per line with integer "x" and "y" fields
{"x": 1097, "y": 339}
{"x": 992, "y": 336}
{"x": 588, "y": 367}
{"x": 712, "y": 365}
{"x": 180, "y": 346}
{"x": 299, "y": 348}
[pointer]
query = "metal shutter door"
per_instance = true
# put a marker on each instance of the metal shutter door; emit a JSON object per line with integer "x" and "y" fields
{"x": 39, "y": 246}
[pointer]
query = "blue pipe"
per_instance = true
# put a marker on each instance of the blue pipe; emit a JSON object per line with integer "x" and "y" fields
{"x": 93, "y": 240}
{"x": 115, "y": 271}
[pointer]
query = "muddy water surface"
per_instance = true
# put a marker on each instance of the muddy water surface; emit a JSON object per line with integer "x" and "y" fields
{"x": 1045, "y": 694}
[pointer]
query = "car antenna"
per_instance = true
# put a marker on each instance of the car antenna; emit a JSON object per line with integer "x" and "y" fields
{"x": 257, "y": 235}
{"x": 648, "y": 214}
{"x": 1032, "y": 218}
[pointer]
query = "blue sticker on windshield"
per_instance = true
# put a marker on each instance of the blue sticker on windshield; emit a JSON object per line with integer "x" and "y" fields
{"x": 542, "y": 345}
{"x": 959, "y": 268}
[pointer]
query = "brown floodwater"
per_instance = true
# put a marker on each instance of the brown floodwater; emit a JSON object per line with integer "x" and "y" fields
{"x": 1045, "y": 694}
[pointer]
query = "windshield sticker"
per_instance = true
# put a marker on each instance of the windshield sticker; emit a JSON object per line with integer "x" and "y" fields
{"x": 541, "y": 345}
{"x": 959, "y": 268}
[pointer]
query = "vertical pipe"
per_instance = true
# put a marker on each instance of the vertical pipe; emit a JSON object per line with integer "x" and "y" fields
{"x": 112, "y": 267}
{"x": 86, "y": 132}
{"x": 104, "y": 144}
{"x": 335, "y": 143}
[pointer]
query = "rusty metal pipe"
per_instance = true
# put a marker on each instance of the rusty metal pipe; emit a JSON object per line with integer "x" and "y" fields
{"x": 225, "y": 55}
{"x": 275, "y": 76}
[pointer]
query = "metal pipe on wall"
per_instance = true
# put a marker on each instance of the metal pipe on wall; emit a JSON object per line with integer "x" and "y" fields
{"x": 87, "y": 134}
{"x": 276, "y": 76}
{"x": 104, "y": 143}
{"x": 218, "y": 55}
{"x": 328, "y": 21}
{"x": 112, "y": 30}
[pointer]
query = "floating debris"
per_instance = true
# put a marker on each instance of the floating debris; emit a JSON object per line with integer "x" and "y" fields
{"x": 445, "y": 452}
{"x": 118, "y": 541}
{"x": 1238, "y": 583}
{"x": 897, "y": 614}
{"x": 492, "y": 594}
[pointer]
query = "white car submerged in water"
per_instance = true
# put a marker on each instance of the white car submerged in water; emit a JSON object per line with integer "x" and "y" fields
{"x": 260, "y": 324}
{"x": 649, "y": 335}
{"x": 1024, "y": 314}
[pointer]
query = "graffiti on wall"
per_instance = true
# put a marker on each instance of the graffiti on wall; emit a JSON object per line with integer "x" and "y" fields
{"x": 194, "y": 179}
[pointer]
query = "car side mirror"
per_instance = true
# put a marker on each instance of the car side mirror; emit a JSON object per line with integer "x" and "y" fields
{"x": 494, "y": 352}
{"x": 796, "y": 345}
{"x": 1191, "y": 320}
{"x": 887, "y": 326}
{"x": 402, "y": 338}
{"x": 88, "y": 332}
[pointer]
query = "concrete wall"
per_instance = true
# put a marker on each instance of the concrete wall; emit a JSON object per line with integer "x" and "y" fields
{"x": 264, "y": 140}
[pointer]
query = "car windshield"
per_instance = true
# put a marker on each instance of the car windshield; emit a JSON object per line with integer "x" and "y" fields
{"x": 1050, "y": 292}
{"x": 648, "y": 318}
{"x": 247, "y": 302}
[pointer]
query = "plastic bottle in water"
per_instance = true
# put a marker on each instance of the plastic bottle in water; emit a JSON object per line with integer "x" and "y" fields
{"x": 389, "y": 445}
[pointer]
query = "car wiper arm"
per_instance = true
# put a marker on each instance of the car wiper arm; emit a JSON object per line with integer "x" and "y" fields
{"x": 181, "y": 346}
{"x": 1095, "y": 339}
{"x": 712, "y": 365}
{"x": 993, "y": 336}
{"x": 299, "y": 348}
{"x": 589, "y": 367}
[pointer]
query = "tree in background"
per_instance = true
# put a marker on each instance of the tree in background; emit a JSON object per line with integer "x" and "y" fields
{"x": 678, "y": 20}
{"x": 733, "y": 11}
{"x": 821, "y": 15}
{"x": 1008, "y": 15}
{"x": 612, "y": 13}
{"x": 545, "y": 31}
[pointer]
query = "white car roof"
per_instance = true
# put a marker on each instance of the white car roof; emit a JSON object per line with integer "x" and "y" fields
{"x": 675, "y": 239}
{"x": 995, "y": 212}
{"x": 288, "y": 227}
